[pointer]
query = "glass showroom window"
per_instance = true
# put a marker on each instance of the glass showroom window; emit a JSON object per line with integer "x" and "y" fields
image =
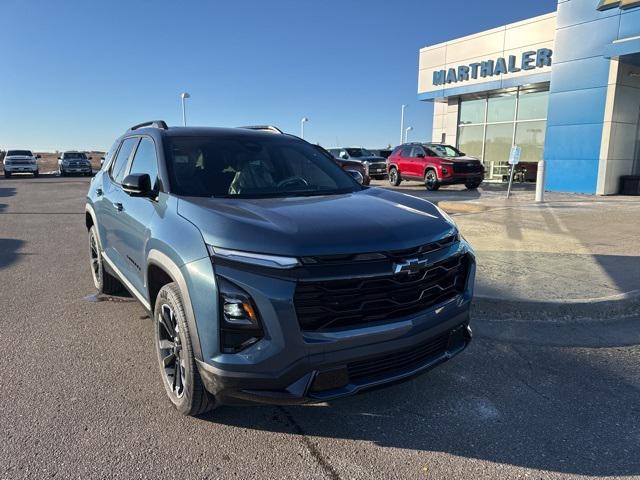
{"x": 490, "y": 126}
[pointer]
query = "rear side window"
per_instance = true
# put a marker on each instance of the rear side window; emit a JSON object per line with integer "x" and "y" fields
{"x": 145, "y": 160}
{"x": 406, "y": 152}
{"x": 120, "y": 164}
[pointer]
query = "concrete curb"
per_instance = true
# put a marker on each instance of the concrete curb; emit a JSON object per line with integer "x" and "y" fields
{"x": 623, "y": 304}
{"x": 462, "y": 207}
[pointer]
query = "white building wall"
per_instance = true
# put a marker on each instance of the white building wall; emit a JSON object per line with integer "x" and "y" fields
{"x": 513, "y": 39}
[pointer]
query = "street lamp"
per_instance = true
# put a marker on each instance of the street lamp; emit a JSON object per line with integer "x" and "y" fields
{"x": 184, "y": 113}
{"x": 406, "y": 134}
{"x": 302, "y": 122}
{"x": 402, "y": 122}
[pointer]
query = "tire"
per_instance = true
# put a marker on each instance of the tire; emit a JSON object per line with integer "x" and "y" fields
{"x": 471, "y": 186}
{"x": 104, "y": 282}
{"x": 394, "y": 177}
{"x": 431, "y": 180}
{"x": 62, "y": 173}
{"x": 174, "y": 351}
{"x": 7, "y": 174}
{"x": 36, "y": 173}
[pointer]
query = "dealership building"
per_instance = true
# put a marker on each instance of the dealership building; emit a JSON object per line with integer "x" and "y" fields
{"x": 564, "y": 86}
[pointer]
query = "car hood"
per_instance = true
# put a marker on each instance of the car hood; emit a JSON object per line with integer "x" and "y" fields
{"x": 366, "y": 221}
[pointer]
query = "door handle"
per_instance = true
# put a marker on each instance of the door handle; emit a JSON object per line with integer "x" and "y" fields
{"x": 118, "y": 206}
{"x": 99, "y": 192}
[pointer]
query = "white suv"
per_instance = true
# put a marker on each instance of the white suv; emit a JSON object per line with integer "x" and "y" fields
{"x": 20, "y": 161}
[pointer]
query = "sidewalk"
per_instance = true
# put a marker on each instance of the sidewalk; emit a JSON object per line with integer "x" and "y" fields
{"x": 573, "y": 250}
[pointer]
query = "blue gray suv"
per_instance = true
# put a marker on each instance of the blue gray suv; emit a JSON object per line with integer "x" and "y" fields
{"x": 271, "y": 275}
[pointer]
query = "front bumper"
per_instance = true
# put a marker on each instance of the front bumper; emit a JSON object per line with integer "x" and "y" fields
{"x": 21, "y": 168}
{"x": 320, "y": 379}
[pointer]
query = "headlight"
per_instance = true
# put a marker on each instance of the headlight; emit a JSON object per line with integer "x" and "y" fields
{"x": 240, "y": 325}
{"x": 259, "y": 259}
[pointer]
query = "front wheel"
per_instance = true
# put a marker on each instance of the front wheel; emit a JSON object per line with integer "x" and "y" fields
{"x": 36, "y": 173}
{"x": 103, "y": 280}
{"x": 394, "y": 177}
{"x": 431, "y": 181}
{"x": 472, "y": 185}
{"x": 7, "y": 174}
{"x": 178, "y": 369}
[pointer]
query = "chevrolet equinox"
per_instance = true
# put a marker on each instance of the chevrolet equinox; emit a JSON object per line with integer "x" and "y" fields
{"x": 271, "y": 275}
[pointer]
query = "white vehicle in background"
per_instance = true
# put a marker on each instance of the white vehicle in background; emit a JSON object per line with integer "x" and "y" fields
{"x": 20, "y": 161}
{"x": 74, "y": 162}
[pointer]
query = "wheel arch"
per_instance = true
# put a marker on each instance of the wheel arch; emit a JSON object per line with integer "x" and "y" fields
{"x": 160, "y": 271}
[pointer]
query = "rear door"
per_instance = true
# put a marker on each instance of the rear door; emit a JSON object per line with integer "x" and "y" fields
{"x": 137, "y": 215}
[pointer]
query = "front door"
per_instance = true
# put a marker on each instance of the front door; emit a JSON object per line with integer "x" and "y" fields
{"x": 137, "y": 216}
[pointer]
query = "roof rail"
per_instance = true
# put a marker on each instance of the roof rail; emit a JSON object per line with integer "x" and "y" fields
{"x": 153, "y": 124}
{"x": 265, "y": 128}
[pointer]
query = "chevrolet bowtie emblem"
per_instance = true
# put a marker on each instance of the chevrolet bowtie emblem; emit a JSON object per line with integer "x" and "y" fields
{"x": 411, "y": 267}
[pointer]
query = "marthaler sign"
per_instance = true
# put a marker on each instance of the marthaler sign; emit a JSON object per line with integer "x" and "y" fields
{"x": 489, "y": 68}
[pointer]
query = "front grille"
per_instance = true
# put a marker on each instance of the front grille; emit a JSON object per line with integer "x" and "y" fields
{"x": 336, "y": 304}
{"x": 19, "y": 162}
{"x": 472, "y": 167}
{"x": 378, "y": 167}
{"x": 400, "y": 360}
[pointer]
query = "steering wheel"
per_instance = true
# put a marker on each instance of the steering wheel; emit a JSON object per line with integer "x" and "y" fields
{"x": 292, "y": 181}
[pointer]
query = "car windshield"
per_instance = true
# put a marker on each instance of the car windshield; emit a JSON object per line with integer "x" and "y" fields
{"x": 358, "y": 152}
{"x": 73, "y": 155}
{"x": 19, "y": 153}
{"x": 241, "y": 167}
{"x": 445, "y": 151}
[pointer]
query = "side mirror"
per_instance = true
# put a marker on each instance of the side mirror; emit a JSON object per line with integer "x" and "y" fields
{"x": 38, "y": 156}
{"x": 357, "y": 176}
{"x": 344, "y": 156}
{"x": 89, "y": 158}
{"x": 137, "y": 185}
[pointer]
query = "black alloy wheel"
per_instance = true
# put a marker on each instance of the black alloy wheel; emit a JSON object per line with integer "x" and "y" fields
{"x": 170, "y": 348}
{"x": 431, "y": 180}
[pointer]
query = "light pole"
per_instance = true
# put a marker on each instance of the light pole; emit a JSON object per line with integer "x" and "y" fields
{"x": 402, "y": 122}
{"x": 302, "y": 122}
{"x": 184, "y": 113}
{"x": 406, "y": 134}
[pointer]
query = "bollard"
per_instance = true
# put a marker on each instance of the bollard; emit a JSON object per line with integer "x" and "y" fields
{"x": 540, "y": 182}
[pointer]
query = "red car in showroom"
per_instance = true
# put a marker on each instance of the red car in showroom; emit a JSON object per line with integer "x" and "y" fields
{"x": 435, "y": 164}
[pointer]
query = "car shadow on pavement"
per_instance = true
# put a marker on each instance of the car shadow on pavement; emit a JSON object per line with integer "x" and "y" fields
{"x": 10, "y": 251}
{"x": 556, "y": 407}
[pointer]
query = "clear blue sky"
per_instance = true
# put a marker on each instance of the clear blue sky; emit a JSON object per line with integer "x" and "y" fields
{"x": 77, "y": 73}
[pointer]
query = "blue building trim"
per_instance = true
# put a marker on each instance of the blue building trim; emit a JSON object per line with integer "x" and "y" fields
{"x": 585, "y": 37}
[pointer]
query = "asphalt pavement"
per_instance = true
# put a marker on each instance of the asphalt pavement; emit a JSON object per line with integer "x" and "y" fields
{"x": 81, "y": 396}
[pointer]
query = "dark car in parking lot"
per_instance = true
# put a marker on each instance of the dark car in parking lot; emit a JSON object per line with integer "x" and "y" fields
{"x": 74, "y": 162}
{"x": 376, "y": 166}
{"x": 435, "y": 164}
{"x": 271, "y": 275}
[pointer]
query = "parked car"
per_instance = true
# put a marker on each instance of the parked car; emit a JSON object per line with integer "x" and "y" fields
{"x": 20, "y": 161}
{"x": 74, "y": 162}
{"x": 270, "y": 274}
{"x": 375, "y": 165}
{"x": 349, "y": 166}
{"x": 435, "y": 164}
